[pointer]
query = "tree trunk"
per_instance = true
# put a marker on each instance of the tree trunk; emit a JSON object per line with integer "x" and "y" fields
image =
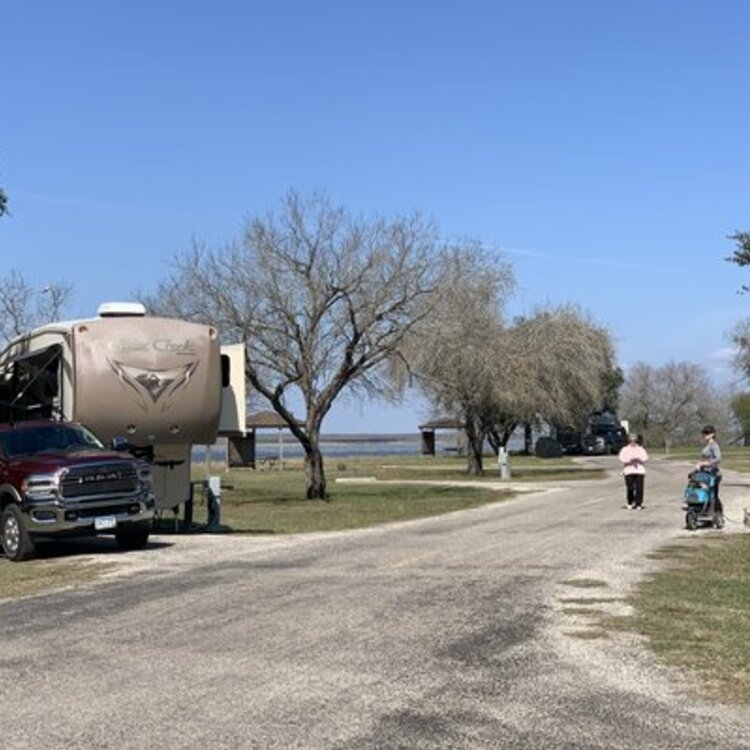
{"x": 314, "y": 474}
{"x": 528, "y": 439}
{"x": 474, "y": 449}
{"x": 475, "y": 464}
{"x": 309, "y": 439}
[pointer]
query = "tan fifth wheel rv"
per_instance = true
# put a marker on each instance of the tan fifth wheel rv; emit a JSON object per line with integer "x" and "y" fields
{"x": 161, "y": 384}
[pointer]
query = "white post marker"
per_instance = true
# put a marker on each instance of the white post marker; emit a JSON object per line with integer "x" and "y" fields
{"x": 502, "y": 463}
{"x": 213, "y": 501}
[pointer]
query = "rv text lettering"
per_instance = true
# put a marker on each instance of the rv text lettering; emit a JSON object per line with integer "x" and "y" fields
{"x": 174, "y": 347}
{"x": 128, "y": 346}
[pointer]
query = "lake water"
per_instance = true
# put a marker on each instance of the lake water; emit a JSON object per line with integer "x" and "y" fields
{"x": 345, "y": 446}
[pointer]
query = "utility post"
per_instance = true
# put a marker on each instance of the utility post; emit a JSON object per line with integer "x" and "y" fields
{"x": 502, "y": 463}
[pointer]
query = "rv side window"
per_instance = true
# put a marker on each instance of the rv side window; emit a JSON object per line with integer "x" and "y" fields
{"x": 34, "y": 387}
{"x": 225, "y": 378}
{"x": 6, "y": 395}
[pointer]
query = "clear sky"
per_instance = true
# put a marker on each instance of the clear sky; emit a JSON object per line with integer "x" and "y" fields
{"x": 602, "y": 145}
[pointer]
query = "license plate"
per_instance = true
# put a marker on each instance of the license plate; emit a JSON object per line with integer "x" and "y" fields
{"x": 105, "y": 522}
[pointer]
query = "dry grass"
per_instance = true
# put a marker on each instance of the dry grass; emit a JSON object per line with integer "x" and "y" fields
{"x": 695, "y": 612}
{"x": 25, "y": 579}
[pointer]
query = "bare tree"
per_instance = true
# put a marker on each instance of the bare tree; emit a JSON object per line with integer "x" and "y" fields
{"x": 321, "y": 299}
{"x": 639, "y": 398}
{"x": 740, "y": 405}
{"x": 669, "y": 404}
{"x": 455, "y": 353}
{"x": 3, "y": 203}
{"x": 23, "y": 307}
{"x": 740, "y": 337}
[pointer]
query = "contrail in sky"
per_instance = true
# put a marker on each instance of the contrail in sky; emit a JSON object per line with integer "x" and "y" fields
{"x": 587, "y": 261}
{"x": 609, "y": 262}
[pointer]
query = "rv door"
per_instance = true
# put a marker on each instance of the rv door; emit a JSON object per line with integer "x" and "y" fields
{"x": 232, "y": 421}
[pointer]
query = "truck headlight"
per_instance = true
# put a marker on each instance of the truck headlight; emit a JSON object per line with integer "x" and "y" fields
{"x": 40, "y": 486}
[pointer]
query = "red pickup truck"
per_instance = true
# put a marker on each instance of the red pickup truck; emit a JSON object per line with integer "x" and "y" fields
{"x": 57, "y": 479}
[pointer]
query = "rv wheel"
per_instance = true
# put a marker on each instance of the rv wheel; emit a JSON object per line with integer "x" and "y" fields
{"x": 133, "y": 536}
{"x": 17, "y": 544}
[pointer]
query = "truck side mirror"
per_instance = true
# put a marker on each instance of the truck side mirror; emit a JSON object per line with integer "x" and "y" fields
{"x": 120, "y": 444}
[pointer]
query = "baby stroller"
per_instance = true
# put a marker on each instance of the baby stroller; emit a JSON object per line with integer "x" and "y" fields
{"x": 700, "y": 501}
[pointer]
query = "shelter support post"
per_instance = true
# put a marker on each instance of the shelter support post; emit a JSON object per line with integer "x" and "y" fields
{"x": 428, "y": 442}
{"x": 242, "y": 450}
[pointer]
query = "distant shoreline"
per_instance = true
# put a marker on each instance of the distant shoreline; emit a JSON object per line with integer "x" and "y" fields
{"x": 271, "y": 437}
{"x": 273, "y": 444}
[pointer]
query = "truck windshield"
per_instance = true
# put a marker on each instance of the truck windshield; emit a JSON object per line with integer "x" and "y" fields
{"x": 25, "y": 441}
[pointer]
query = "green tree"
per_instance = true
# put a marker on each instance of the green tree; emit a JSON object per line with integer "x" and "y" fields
{"x": 491, "y": 376}
{"x": 741, "y": 254}
{"x": 564, "y": 369}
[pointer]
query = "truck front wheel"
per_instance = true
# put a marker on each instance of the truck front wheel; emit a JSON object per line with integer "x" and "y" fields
{"x": 133, "y": 536}
{"x": 14, "y": 536}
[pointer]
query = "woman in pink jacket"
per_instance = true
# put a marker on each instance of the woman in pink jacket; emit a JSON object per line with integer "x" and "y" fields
{"x": 633, "y": 456}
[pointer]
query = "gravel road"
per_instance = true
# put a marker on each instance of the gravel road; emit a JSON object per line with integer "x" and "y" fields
{"x": 441, "y": 633}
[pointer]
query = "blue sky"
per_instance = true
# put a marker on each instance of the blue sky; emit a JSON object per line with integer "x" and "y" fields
{"x": 603, "y": 146}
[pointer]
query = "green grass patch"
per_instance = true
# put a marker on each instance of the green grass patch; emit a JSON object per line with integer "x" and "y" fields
{"x": 523, "y": 468}
{"x": 27, "y": 578}
{"x": 733, "y": 457}
{"x": 274, "y": 504}
{"x": 526, "y": 469}
{"x": 695, "y": 612}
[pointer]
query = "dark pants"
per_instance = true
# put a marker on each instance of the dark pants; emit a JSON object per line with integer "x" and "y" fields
{"x": 634, "y": 489}
{"x": 718, "y": 507}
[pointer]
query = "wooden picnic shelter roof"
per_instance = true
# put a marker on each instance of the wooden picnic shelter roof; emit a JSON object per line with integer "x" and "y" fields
{"x": 442, "y": 423}
{"x": 268, "y": 418}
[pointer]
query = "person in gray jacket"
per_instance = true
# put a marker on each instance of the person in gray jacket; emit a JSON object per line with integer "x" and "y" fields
{"x": 710, "y": 460}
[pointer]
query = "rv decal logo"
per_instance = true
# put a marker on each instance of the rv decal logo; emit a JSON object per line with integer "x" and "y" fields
{"x": 180, "y": 347}
{"x": 152, "y": 386}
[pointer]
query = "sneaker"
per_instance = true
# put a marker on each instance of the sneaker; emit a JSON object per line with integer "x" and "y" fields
{"x": 641, "y": 507}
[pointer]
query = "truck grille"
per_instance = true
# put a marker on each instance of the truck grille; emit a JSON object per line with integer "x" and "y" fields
{"x": 116, "y": 478}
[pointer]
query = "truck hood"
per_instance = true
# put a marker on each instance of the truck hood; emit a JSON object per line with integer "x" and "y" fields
{"x": 50, "y": 461}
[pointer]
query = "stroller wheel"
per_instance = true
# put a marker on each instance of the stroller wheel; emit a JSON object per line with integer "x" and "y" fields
{"x": 691, "y": 520}
{"x": 719, "y": 520}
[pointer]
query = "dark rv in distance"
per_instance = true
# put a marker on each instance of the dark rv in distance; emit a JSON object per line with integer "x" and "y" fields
{"x": 602, "y": 435}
